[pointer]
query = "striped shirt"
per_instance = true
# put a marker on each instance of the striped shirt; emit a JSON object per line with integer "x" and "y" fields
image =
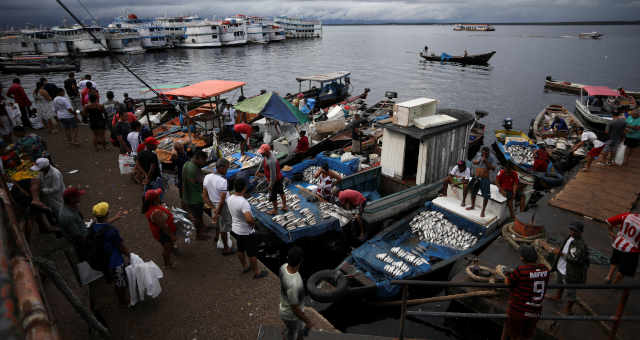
{"x": 528, "y": 285}
{"x": 628, "y": 236}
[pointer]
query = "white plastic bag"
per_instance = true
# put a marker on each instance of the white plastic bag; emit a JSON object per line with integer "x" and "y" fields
{"x": 620, "y": 154}
{"x": 220, "y": 244}
{"x": 87, "y": 274}
{"x": 126, "y": 164}
{"x": 13, "y": 110}
{"x": 36, "y": 122}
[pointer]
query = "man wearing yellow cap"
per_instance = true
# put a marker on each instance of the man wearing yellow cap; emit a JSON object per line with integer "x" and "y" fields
{"x": 113, "y": 247}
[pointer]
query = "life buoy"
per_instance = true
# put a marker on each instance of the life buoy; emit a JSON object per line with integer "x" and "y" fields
{"x": 329, "y": 293}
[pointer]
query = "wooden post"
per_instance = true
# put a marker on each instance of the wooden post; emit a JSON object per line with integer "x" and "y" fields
{"x": 403, "y": 310}
{"x": 619, "y": 312}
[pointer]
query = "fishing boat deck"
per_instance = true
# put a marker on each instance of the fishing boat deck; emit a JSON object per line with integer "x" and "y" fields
{"x": 601, "y": 192}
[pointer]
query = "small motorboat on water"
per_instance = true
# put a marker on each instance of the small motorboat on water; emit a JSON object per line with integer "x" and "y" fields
{"x": 37, "y": 64}
{"x": 597, "y": 103}
{"x": 590, "y": 35}
{"x": 574, "y": 88}
{"x": 471, "y": 59}
{"x": 557, "y": 143}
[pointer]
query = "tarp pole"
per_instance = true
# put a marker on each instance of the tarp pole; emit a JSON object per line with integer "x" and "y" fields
{"x": 242, "y": 91}
{"x": 144, "y": 105}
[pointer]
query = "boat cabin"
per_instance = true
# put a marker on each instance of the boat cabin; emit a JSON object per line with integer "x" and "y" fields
{"x": 597, "y": 103}
{"x": 326, "y": 89}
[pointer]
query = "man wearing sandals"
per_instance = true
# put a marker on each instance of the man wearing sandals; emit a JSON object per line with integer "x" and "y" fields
{"x": 271, "y": 169}
{"x": 214, "y": 195}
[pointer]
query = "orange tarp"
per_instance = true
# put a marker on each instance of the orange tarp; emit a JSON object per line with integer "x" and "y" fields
{"x": 206, "y": 89}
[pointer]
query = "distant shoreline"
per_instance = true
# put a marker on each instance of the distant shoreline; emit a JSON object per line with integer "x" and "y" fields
{"x": 560, "y": 23}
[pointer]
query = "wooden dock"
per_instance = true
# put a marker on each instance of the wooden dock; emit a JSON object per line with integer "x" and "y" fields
{"x": 602, "y": 191}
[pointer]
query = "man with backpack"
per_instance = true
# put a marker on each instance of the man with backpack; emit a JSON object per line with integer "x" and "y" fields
{"x": 106, "y": 250}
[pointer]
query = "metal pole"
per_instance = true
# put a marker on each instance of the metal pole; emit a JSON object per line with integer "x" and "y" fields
{"x": 619, "y": 312}
{"x": 501, "y": 285}
{"x": 403, "y": 310}
{"x": 542, "y": 317}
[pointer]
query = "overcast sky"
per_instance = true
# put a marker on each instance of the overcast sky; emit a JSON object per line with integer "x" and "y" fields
{"x": 19, "y": 12}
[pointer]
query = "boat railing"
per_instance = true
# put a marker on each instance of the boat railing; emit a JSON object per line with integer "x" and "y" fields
{"x": 615, "y": 319}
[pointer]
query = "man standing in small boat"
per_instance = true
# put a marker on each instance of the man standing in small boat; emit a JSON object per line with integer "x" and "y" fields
{"x": 352, "y": 199}
{"x": 484, "y": 164}
{"x": 271, "y": 169}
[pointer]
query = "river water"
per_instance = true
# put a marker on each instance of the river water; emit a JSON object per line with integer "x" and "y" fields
{"x": 385, "y": 58}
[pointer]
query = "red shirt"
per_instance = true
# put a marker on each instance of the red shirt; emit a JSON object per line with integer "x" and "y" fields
{"x": 130, "y": 118}
{"x": 16, "y": 92}
{"x": 628, "y": 237}
{"x": 85, "y": 95}
{"x": 155, "y": 230}
{"x": 507, "y": 181}
{"x": 303, "y": 144}
{"x": 354, "y": 198}
{"x": 243, "y": 128}
{"x": 541, "y": 160}
{"x": 528, "y": 285}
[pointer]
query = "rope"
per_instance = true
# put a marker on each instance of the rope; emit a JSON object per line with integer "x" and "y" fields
{"x": 497, "y": 274}
{"x": 514, "y": 238}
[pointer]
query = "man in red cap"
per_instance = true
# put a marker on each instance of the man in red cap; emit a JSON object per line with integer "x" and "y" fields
{"x": 244, "y": 130}
{"x": 147, "y": 162}
{"x": 271, "y": 169}
{"x": 71, "y": 221}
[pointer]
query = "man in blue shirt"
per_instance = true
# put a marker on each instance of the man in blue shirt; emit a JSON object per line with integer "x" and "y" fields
{"x": 114, "y": 249}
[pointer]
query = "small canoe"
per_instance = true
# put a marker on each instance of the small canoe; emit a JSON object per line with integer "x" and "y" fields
{"x": 590, "y": 35}
{"x": 472, "y": 59}
{"x": 558, "y": 144}
{"x": 574, "y": 88}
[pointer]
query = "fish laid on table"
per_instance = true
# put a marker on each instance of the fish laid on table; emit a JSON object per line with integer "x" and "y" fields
{"x": 229, "y": 148}
{"x": 521, "y": 154}
{"x": 309, "y": 174}
{"x": 433, "y": 227}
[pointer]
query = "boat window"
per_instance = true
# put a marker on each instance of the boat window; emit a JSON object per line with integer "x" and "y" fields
{"x": 193, "y": 41}
{"x": 214, "y": 36}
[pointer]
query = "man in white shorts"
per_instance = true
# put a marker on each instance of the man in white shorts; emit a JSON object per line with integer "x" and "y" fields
{"x": 214, "y": 195}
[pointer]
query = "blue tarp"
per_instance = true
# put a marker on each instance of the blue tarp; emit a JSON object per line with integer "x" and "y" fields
{"x": 445, "y": 56}
{"x": 236, "y": 156}
{"x": 310, "y": 103}
{"x": 310, "y": 231}
{"x": 364, "y": 257}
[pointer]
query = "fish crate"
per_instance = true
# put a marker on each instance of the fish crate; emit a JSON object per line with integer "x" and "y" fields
{"x": 404, "y": 113}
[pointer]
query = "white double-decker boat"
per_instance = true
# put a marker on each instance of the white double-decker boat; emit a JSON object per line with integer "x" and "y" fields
{"x": 45, "y": 42}
{"x": 123, "y": 40}
{"x": 233, "y": 31}
{"x": 152, "y": 34}
{"x": 199, "y": 33}
{"x": 79, "y": 41}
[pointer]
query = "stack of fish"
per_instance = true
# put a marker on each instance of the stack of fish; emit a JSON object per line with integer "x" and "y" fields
{"x": 433, "y": 227}
{"x": 521, "y": 154}
{"x": 187, "y": 227}
{"x": 309, "y": 216}
{"x": 326, "y": 209}
{"x": 309, "y": 174}
{"x": 228, "y": 148}
{"x": 290, "y": 221}
{"x": 398, "y": 261}
{"x": 261, "y": 202}
{"x": 251, "y": 161}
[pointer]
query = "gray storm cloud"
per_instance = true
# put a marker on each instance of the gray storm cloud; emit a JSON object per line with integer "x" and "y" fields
{"x": 48, "y": 12}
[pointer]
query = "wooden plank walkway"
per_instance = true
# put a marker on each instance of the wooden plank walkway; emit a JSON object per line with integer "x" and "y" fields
{"x": 601, "y": 192}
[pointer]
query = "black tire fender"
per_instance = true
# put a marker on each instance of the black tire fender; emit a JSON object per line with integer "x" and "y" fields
{"x": 335, "y": 278}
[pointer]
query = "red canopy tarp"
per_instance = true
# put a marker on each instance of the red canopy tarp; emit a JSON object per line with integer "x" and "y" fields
{"x": 600, "y": 91}
{"x": 206, "y": 89}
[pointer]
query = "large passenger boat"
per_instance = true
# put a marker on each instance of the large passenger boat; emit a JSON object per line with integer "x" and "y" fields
{"x": 79, "y": 41}
{"x": 123, "y": 40}
{"x": 233, "y": 31}
{"x": 174, "y": 29}
{"x": 45, "y": 42}
{"x": 478, "y": 27}
{"x": 152, "y": 33}
{"x": 200, "y": 33}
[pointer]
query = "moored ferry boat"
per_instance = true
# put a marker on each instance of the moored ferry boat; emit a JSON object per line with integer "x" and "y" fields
{"x": 123, "y": 40}
{"x": 257, "y": 30}
{"x": 14, "y": 44}
{"x": 233, "y": 31}
{"x": 152, "y": 34}
{"x": 200, "y": 33}
{"x": 79, "y": 41}
{"x": 299, "y": 29}
{"x": 474, "y": 27}
{"x": 45, "y": 42}
{"x": 276, "y": 32}
{"x": 174, "y": 29}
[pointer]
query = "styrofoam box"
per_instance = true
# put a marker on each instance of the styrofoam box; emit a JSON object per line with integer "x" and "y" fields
{"x": 404, "y": 113}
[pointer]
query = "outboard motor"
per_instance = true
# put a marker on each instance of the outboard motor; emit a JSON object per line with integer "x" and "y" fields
{"x": 507, "y": 124}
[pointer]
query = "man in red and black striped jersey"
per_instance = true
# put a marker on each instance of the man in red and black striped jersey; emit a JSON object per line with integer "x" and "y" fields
{"x": 626, "y": 246}
{"x": 528, "y": 284}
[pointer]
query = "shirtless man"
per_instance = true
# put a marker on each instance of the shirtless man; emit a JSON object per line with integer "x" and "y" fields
{"x": 483, "y": 164}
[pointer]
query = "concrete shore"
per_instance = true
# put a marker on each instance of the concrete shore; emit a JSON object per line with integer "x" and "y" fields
{"x": 204, "y": 297}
